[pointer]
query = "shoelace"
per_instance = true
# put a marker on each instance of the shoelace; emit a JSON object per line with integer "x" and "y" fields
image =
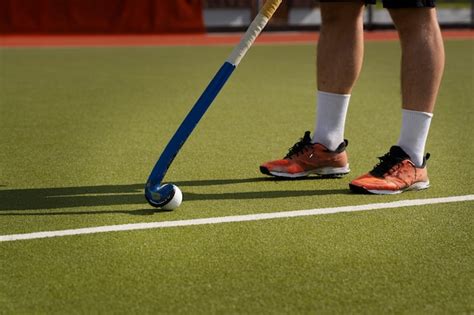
{"x": 299, "y": 146}
{"x": 387, "y": 162}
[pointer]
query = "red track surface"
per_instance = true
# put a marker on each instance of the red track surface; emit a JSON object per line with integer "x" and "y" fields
{"x": 187, "y": 40}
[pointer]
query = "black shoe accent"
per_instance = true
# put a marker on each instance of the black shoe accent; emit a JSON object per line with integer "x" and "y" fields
{"x": 426, "y": 158}
{"x": 342, "y": 147}
{"x": 265, "y": 171}
{"x": 393, "y": 157}
{"x": 299, "y": 146}
{"x": 306, "y": 142}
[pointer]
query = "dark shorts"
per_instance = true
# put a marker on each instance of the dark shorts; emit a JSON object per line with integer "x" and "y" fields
{"x": 394, "y": 4}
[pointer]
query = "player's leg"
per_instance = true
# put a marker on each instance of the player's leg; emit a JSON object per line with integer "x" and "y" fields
{"x": 422, "y": 69}
{"x": 339, "y": 59}
{"x": 340, "y": 47}
{"x": 404, "y": 167}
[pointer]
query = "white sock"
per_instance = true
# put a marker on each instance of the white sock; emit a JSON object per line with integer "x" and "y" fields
{"x": 415, "y": 127}
{"x": 330, "y": 119}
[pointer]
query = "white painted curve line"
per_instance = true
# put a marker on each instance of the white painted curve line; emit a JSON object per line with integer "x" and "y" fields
{"x": 237, "y": 218}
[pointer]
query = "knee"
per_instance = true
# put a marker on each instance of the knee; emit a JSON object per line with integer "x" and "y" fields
{"x": 341, "y": 14}
{"x": 415, "y": 21}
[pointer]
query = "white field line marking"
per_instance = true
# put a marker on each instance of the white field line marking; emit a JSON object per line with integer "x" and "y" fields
{"x": 236, "y": 218}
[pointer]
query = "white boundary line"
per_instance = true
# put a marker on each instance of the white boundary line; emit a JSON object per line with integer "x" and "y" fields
{"x": 237, "y": 218}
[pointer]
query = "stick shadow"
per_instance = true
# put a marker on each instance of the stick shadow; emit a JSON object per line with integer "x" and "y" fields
{"x": 131, "y": 194}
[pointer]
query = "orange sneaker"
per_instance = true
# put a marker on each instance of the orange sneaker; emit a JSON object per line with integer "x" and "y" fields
{"x": 306, "y": 158}
{"x": 394, "y": 174}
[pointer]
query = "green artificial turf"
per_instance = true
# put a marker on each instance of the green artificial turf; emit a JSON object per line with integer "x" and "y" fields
{"x": 397, "y": 261}
{"x": 81, "y": 129}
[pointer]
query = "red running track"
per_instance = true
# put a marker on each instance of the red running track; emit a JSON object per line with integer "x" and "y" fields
{"x": 189, "y": 40}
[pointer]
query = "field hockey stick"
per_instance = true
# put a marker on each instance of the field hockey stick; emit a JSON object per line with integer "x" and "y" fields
{"x": 159, "y": 195}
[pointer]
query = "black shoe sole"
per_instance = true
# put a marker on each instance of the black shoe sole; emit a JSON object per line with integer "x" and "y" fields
{"x": 340, "y": 175}
{"x": 265, "y": 171}
{"x": 359, "y": 190}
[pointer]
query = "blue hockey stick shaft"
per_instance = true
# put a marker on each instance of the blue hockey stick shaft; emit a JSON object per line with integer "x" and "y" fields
{"x": 189, "y": 123}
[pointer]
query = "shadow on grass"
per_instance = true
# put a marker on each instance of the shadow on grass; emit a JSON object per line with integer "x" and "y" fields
{"x": 110, "y": 195}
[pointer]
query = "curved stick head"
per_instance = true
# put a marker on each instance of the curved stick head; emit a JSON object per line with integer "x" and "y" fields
{"x": 158, "y": 196}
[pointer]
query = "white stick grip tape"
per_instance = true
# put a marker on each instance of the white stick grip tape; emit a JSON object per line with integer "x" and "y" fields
{"x": 247, "y": 40}
{"x": 253, "y": 31}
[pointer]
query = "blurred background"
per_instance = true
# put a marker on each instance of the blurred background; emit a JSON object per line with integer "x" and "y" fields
{"x": 305, "y": 14}
{"x": 187, "y": 16}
